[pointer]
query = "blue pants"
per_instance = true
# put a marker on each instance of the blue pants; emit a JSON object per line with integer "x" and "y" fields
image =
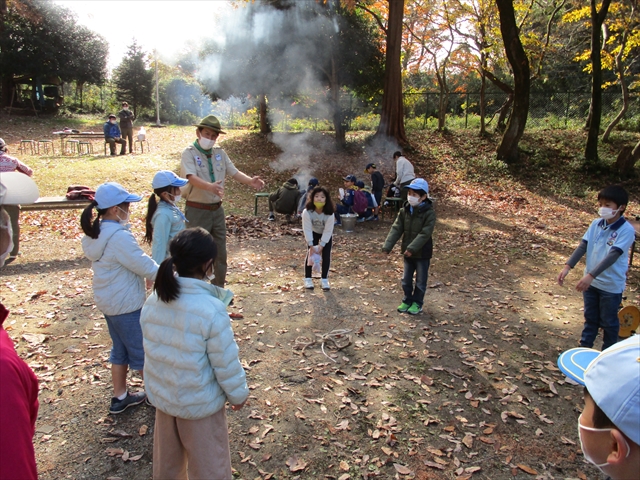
{"x": 600, "y": 311}
{"x": 419, "y": 266}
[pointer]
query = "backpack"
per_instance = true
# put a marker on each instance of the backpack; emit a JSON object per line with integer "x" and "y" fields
{"x": 360, "y": 202}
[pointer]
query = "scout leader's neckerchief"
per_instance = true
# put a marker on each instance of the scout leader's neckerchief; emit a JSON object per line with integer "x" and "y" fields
{"x": 208, "y": 155}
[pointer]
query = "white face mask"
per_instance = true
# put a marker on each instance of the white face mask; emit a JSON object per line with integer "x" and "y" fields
{"x": 607, "y": 213}
{"x": 210, "y": 276}
{"x": 206, "y": 143}
{"x": 125, "y": 220}
{"x": 112, "y": 122}
{"x": 413, "y": 201}
{"x": 6, "y": 230}
{"x": 176, "y": 198}
{"x": 586, "y": 455}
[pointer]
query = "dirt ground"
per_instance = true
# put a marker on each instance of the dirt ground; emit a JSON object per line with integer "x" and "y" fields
{"x": 467, "y": 389}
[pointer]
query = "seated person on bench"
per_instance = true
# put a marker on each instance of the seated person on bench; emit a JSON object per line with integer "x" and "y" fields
{"x": 112, "y": 135}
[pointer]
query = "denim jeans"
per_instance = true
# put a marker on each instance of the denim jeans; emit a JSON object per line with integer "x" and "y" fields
{"x": 600, "y": 311}
{"x": 419, "y": 266}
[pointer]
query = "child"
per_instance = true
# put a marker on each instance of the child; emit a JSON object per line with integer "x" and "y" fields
{"x": 192, "y": 366}
{"x": 377, "y": 186}
{"x": 609, "y": 427}
{"x": 304, "y": 198}
{"x": 317, "y": 224}
{"x": 414, "y": 223}
{"x": 119, "y": 268}
{"x": 346, "y": 197}
{"x": 164, "y": 219}
{"x": 606, "y": 243}
{"x": 285, "y": 200}
{"x": 371, "y": 202}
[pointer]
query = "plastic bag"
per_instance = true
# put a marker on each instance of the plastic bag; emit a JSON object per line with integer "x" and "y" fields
{"x": 314, "y": 260}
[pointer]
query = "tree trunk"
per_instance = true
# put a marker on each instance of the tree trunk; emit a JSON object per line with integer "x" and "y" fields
{"x": 627, "y": 158}
{"x": 265, "y": 126}
{"x": 483, "y": 99}
{"x": 625, "y": 90}
{"x": 334, "y": 91}
{"x": 392, "y": 114}
{"x": 595, "y": 109}
{"x": 508, "y": 149}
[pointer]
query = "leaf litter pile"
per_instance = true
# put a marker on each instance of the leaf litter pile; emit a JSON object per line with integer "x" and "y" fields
{"x": 342, "y": 386}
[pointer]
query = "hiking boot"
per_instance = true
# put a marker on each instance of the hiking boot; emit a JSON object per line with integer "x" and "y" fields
{"x": 414, "y": 309}
{"x": 325, "y": 284}
{"x": 119, "y": 406}
{"x": 308, "y": 283}
{"x": 272, "y": 217}
{"x": 403, "y": 307}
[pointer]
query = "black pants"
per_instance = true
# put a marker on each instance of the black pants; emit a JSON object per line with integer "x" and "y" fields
{"x": 326, "y": 256}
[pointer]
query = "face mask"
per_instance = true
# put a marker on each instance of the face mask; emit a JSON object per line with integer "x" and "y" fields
{"x": 586, "y": 455}
{"x": 8, "y": 231}
{"x": 210, "y": 276}
{"x": 112, "y": 122}
{"x": 413, "y": 201}
{"x": 318, "y": 205}
{"x": 123, "y": 221}
{"x": 176, "y": 198}
{"x": 206, "y": 143}
{"x": 607, "y": 213}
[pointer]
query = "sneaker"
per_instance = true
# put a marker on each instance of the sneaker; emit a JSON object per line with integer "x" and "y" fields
{"x": 360, "y": 220}
{"x": 337, "y": 224}
{"x": 119, "y": 406}
{"x": 148, "y": 402}
{"x": 375, "y": 218}
{"x": 272, "y": 217}
{"x": 308, "y": 283}
{"x": 369, "y": 218}
{"x": 325, "y": 284}
{"x": 414, "y": 309}
{"x": 403, "y": 307}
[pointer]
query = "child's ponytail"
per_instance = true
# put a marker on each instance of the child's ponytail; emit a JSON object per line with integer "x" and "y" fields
{"x": 151, "y": 209}
{"x": 166, "y": 284}
{"x": 91, "y": 229}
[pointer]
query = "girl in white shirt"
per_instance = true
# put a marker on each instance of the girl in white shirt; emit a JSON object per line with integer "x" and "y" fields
{"x": 317, "y": 224}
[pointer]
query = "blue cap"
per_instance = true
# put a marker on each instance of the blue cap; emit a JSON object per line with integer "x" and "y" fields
{"x": 419, "y": 184}
{"x": 314, "y": 182}
{"x": 612, "y": 378}
{"x": 350, "y": 178}
{"x": 360, "y": 184}
{"x": 165, "y": 178}
{"x": 111, "y": 194}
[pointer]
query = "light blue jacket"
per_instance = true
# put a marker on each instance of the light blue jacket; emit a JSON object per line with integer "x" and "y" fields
{"x": 167, "y": 221}
{"x": 119, "y": 268}
{"x": 191, "y": 365}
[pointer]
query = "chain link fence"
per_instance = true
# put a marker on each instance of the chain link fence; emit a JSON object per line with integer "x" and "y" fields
{"x": 546, "y": 110}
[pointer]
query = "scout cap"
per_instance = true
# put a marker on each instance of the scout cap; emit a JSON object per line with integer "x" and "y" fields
{"x": 17, "y": 189}
{"x": 612, "y": 378}
{"x": 350, "y": 178}
{"x": 112, "y": 116}
{"x": 369, "y": 165}
{"x": 165, "y": 178}
{"x": 360, "y": 184}
{"x": 212, "y": 122}
{"x": 111, "y": 194}
{"x": 418, "y": 184}
{"x": 314, "y": 182}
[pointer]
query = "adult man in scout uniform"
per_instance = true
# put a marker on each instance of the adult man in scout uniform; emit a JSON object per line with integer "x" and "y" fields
{"x": 206, "y": 167}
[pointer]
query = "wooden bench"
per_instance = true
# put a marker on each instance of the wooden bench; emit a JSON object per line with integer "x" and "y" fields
{"x": 55, "y": 203}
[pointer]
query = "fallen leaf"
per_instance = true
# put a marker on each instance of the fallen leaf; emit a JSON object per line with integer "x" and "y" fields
{"x": 527, "y": 469}
{"x": 295, "y": 464}
{"x": 401, "y": 469}
{"x": 344, "y": 466}
{"x": 143, "y": 430}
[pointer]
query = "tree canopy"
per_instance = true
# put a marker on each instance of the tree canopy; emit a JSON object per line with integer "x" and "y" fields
{"x": 134, "y": 79}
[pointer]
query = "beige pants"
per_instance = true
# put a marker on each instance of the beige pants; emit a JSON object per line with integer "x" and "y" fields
{"x": 199, "y": 447}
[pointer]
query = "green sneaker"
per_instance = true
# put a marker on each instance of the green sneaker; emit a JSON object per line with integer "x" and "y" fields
{"x": 403, "y": 307}
{"x": 414, "y": 309}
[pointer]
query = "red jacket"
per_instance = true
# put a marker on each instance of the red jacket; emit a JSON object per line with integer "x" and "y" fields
{"x": 18, "y": 411}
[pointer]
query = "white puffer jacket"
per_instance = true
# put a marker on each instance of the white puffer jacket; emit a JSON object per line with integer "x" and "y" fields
{"x": 119, "y": 268}
{"x": 191, "y": 365}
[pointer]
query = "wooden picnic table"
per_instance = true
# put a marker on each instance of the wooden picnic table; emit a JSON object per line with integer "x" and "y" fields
{"x": 80, "y": 135}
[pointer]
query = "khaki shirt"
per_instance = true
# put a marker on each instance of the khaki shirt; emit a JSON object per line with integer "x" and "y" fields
{"x": 195, "y": 163}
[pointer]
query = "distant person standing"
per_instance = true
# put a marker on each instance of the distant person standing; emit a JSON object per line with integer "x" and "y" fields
{"x": 404, "y": 174}
{"x": 377, "y": 186}
{"x": 12, "y": 164}
{"x": 112, "y": 135}
{"x": 126, "y": 124}
{"x": 206, "y": 167}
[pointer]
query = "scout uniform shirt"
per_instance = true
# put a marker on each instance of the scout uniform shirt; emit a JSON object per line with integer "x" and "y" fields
{"x": 215, "y": 169}
{"x": 601, "y": 238}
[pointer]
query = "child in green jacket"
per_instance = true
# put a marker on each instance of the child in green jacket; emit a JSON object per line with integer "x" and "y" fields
{"x": 414, "y": 223}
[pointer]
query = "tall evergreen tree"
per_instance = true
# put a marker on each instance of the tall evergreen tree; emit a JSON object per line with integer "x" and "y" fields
{"x": 134, "y": 79}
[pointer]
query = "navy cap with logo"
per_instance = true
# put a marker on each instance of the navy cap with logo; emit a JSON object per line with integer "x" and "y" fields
{"x": 350, "y": 178}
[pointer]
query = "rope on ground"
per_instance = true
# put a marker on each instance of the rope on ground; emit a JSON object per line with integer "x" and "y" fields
{"x": 338, "y": 339}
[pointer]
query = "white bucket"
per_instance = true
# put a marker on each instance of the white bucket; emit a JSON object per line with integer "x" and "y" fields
{"x": 348, "y": 221}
